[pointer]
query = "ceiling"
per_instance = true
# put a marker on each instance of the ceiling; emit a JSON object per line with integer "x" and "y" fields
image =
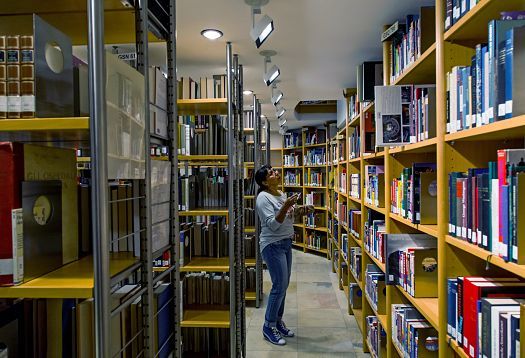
{"x": 319, "y": 43}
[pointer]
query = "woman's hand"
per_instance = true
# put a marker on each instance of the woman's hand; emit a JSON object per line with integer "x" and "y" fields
{"x": 289, "y": 202}
{"x": 309, "y": 209}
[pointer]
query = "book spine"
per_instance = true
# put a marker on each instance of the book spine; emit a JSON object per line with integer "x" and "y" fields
{"x": 509, "y": 54}
{"x": 491, "y": 69}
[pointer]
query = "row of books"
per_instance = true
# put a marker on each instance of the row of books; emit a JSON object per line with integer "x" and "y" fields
{"x": 315, "y": 136}
{"x": 375, "y": 240}
{"x": 333, "y": 227}
{"x": 333, "y": 153}
{"x": 315, "y": 240}
{"x": 342, "y": 151}
{"x": 17, "y": 77}
{"x": 355, "y": 296}
{"x": 375, "y": 335}
{"x": 314, "y": 178}
{"x": 413, "y": 194}
{"x": 249, "y": 246}
{"x": 214, "y": 342}
{"x": 411, "y": 332}
{"x": 315, "y": 221}
{"x": 487, "y": 90}
{"x": 354, "y": 143}
{"x": 354, "y": 220}
{"x": 248, "y": 119}
{"x": 342, "y": 181}
{"x": 354, "y": 259}
{"x": 251, "y": 278}
{"x": 292, "y": 160}
{"x": 375, "y": 287}
{"x": 411, "y": 114}
{"x": 483, "y": 315}
{"x": 214, "y": 87}
{"x": 203, "y": 240}
{"x": 315, "y": 198}
{"x": 203, "y": 187}
{"x": 292, "y": 178}
{"x": 353, "y": 106}
{"x": 205, "y": 288}
{"x": 202, "y": 135}
{"x": 249, "y": 184}
{"x": 485, "y": 205}
{"x": 355, "y": 185}
{"x": 375, "y": 185}
{"x": 344, "y": 245}
{"x": 292, "y": 140}
{"x": 341, "y": 212}
{"x": 415, "y": 270}
{"x": 315, "y": 156}
{"x": 249, "y": 152}
{"x": 249, "y": 216}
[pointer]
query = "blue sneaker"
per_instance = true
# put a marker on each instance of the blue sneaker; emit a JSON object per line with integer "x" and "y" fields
{"x": 285, "y": 332}
{"x": 272, "y": 335}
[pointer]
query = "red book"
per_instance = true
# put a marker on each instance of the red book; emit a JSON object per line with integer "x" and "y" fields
{"x": 473, "y": 291}
{"x": 11, "y": 239}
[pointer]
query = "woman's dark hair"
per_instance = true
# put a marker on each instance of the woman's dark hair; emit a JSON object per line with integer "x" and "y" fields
{"x": 260, "y": 176}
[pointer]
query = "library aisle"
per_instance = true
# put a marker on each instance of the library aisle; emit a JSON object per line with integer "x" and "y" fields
{"x": 315, "y": 310}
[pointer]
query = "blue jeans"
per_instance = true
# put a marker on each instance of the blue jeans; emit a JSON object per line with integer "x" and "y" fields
{"x": 278, "y": 258}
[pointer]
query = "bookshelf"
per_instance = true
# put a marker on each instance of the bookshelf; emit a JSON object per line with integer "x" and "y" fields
{"x": 102, "y": 263}
{"x": 457, "y": 151}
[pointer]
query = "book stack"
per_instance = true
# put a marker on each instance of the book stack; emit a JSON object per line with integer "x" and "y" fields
{"x": 415, "y": 270}
{"x": 375, "y": 229}
{"x": 315, "y": 240}
{"x": 316, "y": 156}
{"x": 248, "y": 120}
{"x": 333, "y": 153}
{"x": 483, "y": 315}
{"x": 202, "y": 239}
{"x": 354, "y": 143}
{"x": 374, "y": 285}
{"x": 342, "y": 181}
{"x": 251, "y": 282}
{"x": 314, "y": 177}
{"x": 410, "y": 40}
{"x": 413, "y": 194}
{"x": 249, "y": 152}
{"x": 342, "y": 151}
{"x": 314, "y": 221}
{"x": 353, "y": 106}
{"x": 202, "y": 135}
{"x": 315, "y": 199}
{"x": 354, "y": 219}
{"x": 355, "y": 296}
{"x": 411, "y": 114}
{"x": 249, "y": 184}
{"x": 292, "y": 160}
{"x": 292, "y": 178}
{"x": 374, "y": 185}
{"x": 203, "y": 188}
{"x": 355, "y": 185}
{"x": 411, "y": 332}
{"x": 354, "y": 259}
{"x": 375, "y": 335}
{"x": 344, "y": 245}
{"x": 205, "y": 288}
{"x": 249, "y": 246}
{"x": 486, "y": 204}
{"x": 214, "y": 87}
{"x": 249, "y": 217}
{"x": 487, "y": 90}
{"x": 342, "y": 212}
{"x": 292, "y": 140}
{"x": 315, "y": 136}
{"x": 212, "y": 341}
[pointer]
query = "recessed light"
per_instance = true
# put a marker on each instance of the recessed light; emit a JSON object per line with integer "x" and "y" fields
{"x": 211, "y": 34}
{"x": 247, "y": 92}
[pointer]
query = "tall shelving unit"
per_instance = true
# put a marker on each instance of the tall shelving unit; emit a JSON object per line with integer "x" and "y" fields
{"x": 301, "y": 228}
{"x": 232, "y": 318}
{"x": 451, "y": 152}
{"x": 93, "y": 276}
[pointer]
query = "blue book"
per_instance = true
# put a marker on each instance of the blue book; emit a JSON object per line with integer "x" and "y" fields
{"x": 452, "y": 289}
{"x": 484, "y": 84}
{"x": 514, "y": 72}
{"x": 478, "y": 93}
{"x": 472, "y": 89}
{"x": 504, "y": 215}
{"x": 509, "y": 45}
{"x": 164, "y": 329}
{"x": 497, "y": 34}
{"x": 514, "y": 334}
{"x": 466, "y": 103}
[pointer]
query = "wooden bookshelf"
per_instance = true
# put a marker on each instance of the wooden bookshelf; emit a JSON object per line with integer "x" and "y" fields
{"x": 427, "y": 229}
{"x": 378, "y": 263}
{"x": 73, "y": 280}
{"x": 426, "y": 146}
{"x": 206, "y": 319}
{"x": 208, "y": 264}
{"x": 250, "y": 295}
{"x": 205, "y": 212}
{"x": 513, "y": 128}
{"x": 69, "y": 129}
{"x": 456, "y": 348}
{"x": 428, "y": 307}
{"x": 249, "y": 262}
{"x": 210, "y": 158}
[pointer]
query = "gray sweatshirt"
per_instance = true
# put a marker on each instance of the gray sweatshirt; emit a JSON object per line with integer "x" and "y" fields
{"x": 268, "y": 207}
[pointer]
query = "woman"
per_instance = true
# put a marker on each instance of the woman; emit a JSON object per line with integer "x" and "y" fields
{"x": 276, "y": 215}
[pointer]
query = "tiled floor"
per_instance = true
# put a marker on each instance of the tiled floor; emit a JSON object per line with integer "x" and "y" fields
{"x": 315, "y": 310}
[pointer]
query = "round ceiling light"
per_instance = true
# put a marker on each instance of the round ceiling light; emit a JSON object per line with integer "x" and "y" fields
{"x": 211, "y": 34}
{"x": 247, "y": 92}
